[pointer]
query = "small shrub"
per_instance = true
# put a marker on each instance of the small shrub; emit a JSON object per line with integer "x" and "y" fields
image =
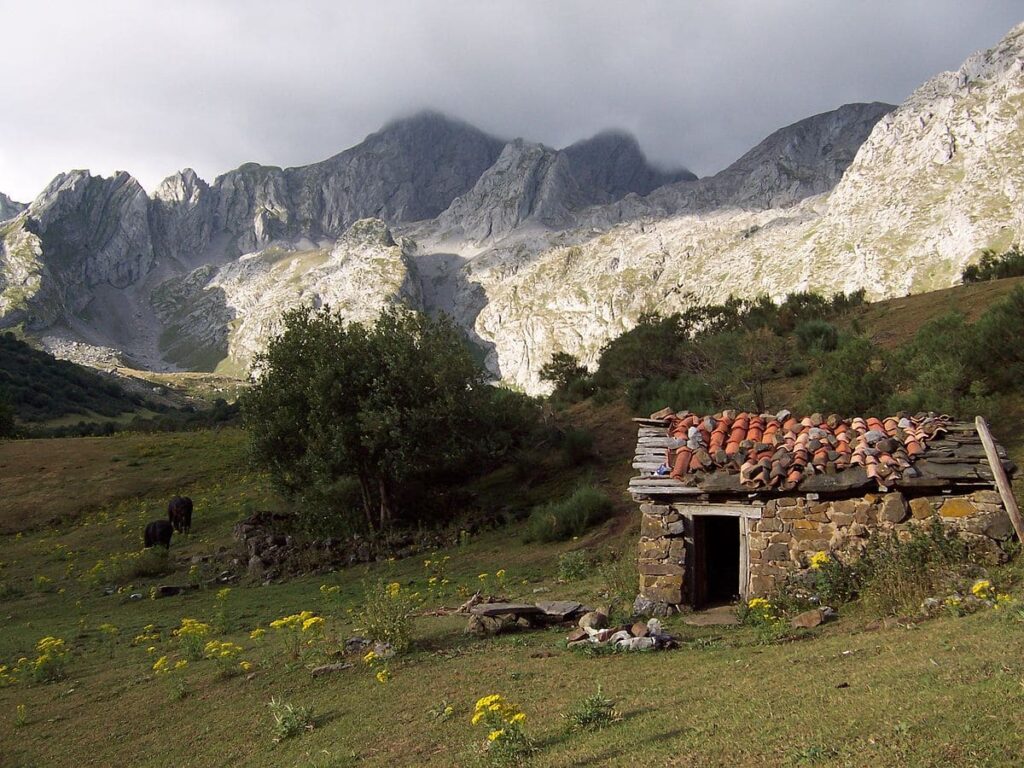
{"x": 225, "y": 654}
{"x": 617, "y": 571}
{"x": 299, "y": 629}
{"x": 835, "y": 582}
{"x": 507, "y": 742}
{"x": 592, "y": 713}
{"x": 51, "y": 660}
{"x": 386, "y": 614}
{"x": 765, "y": 618}
{"x": 289, "y": 719}
{"x": 561, "y": 520}
{"x": 192, "y": 638}
{"x": 20, "y": 716}
{"x": 172, "y": 673}
{"x": 898, "y": 575}
{"x": 442, "y": 711}
{"x": 816, "y": 336}
{"x": 573, "y": 565}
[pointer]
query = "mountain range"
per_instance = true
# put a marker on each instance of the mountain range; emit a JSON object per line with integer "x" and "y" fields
{"x": 533, "y": 250}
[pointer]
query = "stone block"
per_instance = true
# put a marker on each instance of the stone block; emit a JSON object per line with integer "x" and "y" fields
{"x": 776, "y": 552}
{"x": 840, "y": 519}
{"x": 677, "y": 528}
{"x": 810, "y": 534}
{"x": 958, "y": 507}
{"x": 787, "y": 501}
{"x": 893, "y": 508}
{"x": 653, "y": 527}
{"x": 921, "y": 508}
{"x": 757, "y": 542}
{"x": 655, "y": 509}
{"x": 805, "y": 524}
{"x": 987, "y": 497}
{"x": 865, "y": 513}
{"x": 653, "y": 549}
{"x": 676, "y": 550}
{"x": 661, "y": 569}
{"x": 823, "y": 508}
{"x": 791, "y": 513}
{"x": 844, "y": 507}
{"x": 858, "y": 529}
{"x": 762, "y": 585}
{"x": 771, "y": 525}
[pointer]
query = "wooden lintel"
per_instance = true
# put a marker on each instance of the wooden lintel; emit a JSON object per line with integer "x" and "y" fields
{"x": 752, "y": 511}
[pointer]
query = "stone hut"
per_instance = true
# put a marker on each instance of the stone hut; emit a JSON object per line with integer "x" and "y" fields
{"x": 732, "y": 504}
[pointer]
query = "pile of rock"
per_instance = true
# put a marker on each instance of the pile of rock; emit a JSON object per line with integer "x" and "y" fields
{"x": 270, "y": 550}
{"x": 641, "y": 636}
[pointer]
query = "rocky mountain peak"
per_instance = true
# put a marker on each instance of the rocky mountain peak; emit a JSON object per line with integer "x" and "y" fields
{"x": 9, "y": 208}
{"x": 612, "y": 162}
{"x": 183, "y": 186}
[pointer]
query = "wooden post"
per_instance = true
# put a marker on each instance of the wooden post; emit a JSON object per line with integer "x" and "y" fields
{"x": 1002, "y": 482}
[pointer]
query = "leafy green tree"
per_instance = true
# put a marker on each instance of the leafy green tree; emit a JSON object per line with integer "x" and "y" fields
{"x": 851, "y": 380}
{"x": 571, "y": 379}
{"x": 386, "y": 403}
{"x": 997, "y": 354}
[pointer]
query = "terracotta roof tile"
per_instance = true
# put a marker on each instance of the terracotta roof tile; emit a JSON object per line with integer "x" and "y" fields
{"x": 778, "y": 452}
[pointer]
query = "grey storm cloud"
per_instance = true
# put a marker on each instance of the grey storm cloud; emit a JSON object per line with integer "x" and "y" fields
{"x": 151, "y": 87}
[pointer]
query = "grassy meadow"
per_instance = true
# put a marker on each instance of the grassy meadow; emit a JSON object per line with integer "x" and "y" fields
{"x": 945, "y": 692}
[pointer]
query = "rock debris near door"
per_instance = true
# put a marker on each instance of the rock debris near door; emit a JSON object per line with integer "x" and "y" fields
{"x": 733, "y": 504}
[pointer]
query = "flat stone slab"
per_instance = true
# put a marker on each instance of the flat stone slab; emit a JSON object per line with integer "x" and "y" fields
{"x": 501, "y": 609}
{"x": 720, "y": 616}
{"x": 559, "y": 609}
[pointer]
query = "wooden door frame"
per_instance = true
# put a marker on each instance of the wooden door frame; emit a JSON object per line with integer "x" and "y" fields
{"x": 746, "y": 513}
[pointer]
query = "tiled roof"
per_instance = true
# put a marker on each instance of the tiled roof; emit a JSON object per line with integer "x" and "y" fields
{"x": 779, "y": 453}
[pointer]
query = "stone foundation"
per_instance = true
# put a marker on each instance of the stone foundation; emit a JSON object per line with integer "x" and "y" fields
{"x": 787, "y": 531}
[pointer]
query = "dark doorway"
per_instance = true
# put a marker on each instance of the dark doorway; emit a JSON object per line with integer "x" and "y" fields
{"x": 716, "y": 562}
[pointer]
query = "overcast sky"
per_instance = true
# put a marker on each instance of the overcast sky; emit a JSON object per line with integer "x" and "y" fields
{"x": 151, "y": 87}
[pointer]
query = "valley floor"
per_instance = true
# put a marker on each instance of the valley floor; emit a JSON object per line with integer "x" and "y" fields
{"x": 946, "y": 692}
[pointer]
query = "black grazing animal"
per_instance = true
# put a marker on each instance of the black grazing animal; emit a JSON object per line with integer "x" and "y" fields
{"x": 159, "y": 532}
{"x": 179, "y": 512}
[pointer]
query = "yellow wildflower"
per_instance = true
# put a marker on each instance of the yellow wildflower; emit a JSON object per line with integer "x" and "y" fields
{"x": 500, "y": 574}
{"x": 370, "y": 657}
{"x": 393, "y": 589}
{"x": 482, "y": 576}
{"x": 819, "y": 559}
{"x": 496, "y": 734}
{"x": 245, "y": 665}
{"x": 222, "y": 594}
{"x": 257, "y": 633}
{"x": 181, "y": 664}
{"x": 518, "y": 717}
{"x": 383, "y": 676}
{"x": 161, "y": 665}
{"x": 311, "y": 623}
{"x": 151, "y": 649}
{"x": 982, "y": 588}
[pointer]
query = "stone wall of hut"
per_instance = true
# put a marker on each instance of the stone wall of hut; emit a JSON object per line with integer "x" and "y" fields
{"x": 788, "y": 530}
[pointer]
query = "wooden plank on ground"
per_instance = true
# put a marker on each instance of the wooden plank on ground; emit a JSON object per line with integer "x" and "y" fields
{"x": 1002, "y": 481}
